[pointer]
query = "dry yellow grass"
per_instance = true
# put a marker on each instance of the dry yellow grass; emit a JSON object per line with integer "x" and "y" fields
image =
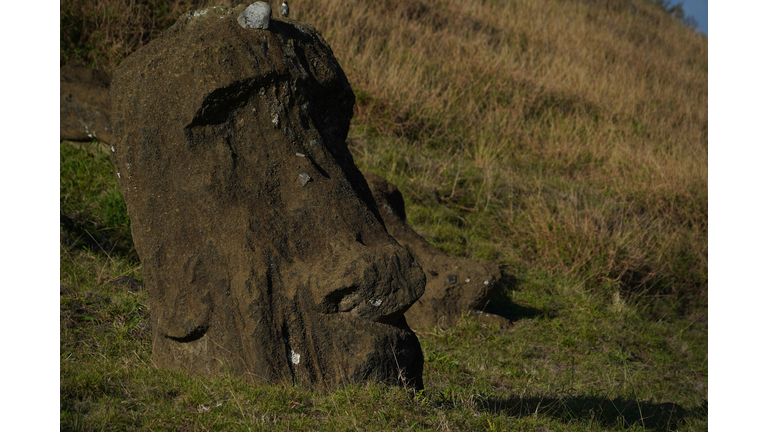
{"x": 585, "y": 120}
{"x": 607, "y": 82}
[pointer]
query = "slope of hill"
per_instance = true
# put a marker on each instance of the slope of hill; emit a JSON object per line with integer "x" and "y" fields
{"x": 564, "y": 139}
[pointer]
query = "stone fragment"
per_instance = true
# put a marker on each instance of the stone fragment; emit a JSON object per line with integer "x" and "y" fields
{"x": 247, "y": 273}
{"x": 304, "y": 178}
{"x": 454, "y": 286}
{"x": 255, "y": 16}
{"x": 284, "y": 9}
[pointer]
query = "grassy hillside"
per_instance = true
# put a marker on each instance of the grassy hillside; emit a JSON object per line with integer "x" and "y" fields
{"x": 565, "y": 140}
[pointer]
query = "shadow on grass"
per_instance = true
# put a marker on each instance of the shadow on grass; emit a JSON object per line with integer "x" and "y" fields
{"x": 603, "y": 411}
{"x": 501, "y": 305}
{"x": 78, "y": 233}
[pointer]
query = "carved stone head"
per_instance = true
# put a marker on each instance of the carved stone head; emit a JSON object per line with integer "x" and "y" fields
{"x": 261, "y": 246}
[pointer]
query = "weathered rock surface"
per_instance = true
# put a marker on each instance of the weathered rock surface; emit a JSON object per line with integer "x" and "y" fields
{"x": 84, "y": 104}
{"x": 255, "y": 16}
{"x": 442, "y": 312}
{"x": 262, "y": 249}
{"x": 454, "y": 286}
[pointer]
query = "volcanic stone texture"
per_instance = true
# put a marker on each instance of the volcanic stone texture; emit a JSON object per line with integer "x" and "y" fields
{"x": 262, "y": 250}
{"x": 454, "y": 286}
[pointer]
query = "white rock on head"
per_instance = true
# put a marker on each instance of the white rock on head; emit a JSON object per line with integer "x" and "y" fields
{"x": 255, "y": 16}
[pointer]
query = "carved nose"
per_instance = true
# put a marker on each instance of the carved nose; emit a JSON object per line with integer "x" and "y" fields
{"x": 376, "y": 283}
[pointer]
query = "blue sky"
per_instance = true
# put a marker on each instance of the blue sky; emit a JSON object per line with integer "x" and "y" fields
{"x": 698, "y": 10}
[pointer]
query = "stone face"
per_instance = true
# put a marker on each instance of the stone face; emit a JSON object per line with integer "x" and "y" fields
{"x": 249, "y": 268}
{"x": 454, "y": 286}
{"x": 255, "y": 16}
{"x": 84, "y": 104}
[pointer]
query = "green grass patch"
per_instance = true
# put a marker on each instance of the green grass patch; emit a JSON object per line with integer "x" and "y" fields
{"x": 572, "y": 360}
{"x": 93, "y": 212}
